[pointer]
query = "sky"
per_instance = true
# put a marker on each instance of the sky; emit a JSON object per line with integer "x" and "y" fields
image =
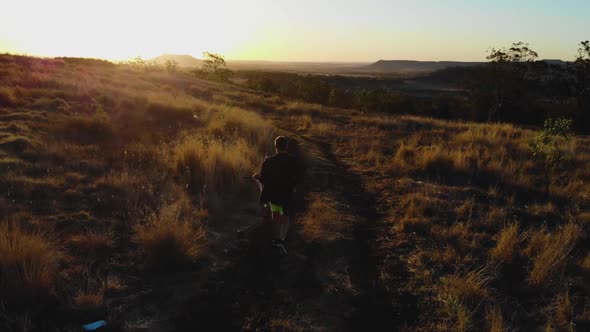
{"x": 292, "y": 30}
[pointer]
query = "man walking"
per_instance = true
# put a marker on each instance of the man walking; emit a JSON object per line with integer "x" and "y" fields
{"x": 278, "y": 176}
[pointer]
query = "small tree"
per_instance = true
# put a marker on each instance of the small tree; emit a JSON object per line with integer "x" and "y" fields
{"x": 518, "y": 52}
{"x": 137, "y": 62}
{"x": 582, "y": 85}
{"x": 584, "y": 53}
{"x": 547, "y": 146}
{"x": 507, "y": 67}
{"x": 141, "y": 64}
{"x": 214, "y": 68}
{"x": 171, "y": 66}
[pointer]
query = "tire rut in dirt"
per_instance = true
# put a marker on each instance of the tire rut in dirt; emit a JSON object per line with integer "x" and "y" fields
{"x": 242, "y": 287}
{"x": 375, "y": 307}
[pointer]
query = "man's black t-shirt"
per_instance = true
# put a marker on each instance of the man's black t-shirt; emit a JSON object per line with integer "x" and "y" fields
{"x": 279, "y": 175}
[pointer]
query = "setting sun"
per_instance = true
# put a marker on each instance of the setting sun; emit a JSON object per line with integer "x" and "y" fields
{"x": 123, "y": 29}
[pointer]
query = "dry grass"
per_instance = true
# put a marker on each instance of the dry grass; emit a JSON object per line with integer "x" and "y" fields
{"x": 506, "y": 244}
{"x": 563, "y": 307}
{"x": 323, "y": 220}
{"x": 465, "y": 197}
{"x": 416, "y": 217}
{"x": 170, "y": 238}
{"x": 95, "y": 244}
{"x": 115, "y": 284}
{"x": 585, "y": 263}
{"x": 471, "y": 287}
{"x": 86, "y": 301}
{"x": 476, "y": 154}
{"x": 94, "y": 129}
{"x": 28, "y": 263}
{"x": 547, "y": 210}
{"x": 495, "y": 320}
{"x": 322, "y": 129}
{"x": 232, "y": 123}
{"x": 7, "y": 96}
{"x": 285, "y": 324}
{"x": 130, "y": 142}
{"x": 495, "y": 217}
{"x": 549, "y": 252}
{"x": 214, "y": 166}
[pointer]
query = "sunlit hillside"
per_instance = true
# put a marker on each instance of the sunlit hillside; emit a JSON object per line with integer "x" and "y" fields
{"x": 124, "y": 186}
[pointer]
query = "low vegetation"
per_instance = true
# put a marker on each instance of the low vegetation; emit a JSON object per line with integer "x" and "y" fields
{"x": 114, "y": 177}
{"x": 468, "y": 205}
{"x": 29, "y": 262}
{"x": 172, "y": 237}
{"x": 123, "y": 167}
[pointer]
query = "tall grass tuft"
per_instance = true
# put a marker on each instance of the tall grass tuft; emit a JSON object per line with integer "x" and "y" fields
{"x": 28, "y": 263}
{"x": 506, "y": 244}
{"x": 170, "y": 238}
{"x": 95, "y": 129}
{"x": 214, "y": 165}
{"x": 549, "y": 252}
{"x": 231, "y": 123}
{"x": 7, "y": 96}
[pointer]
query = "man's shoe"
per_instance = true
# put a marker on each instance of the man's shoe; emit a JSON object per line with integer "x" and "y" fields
{"x": 281, "y": 245}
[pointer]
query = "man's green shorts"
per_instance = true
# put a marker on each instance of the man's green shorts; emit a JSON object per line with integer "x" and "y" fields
{"x": 274, "y": 208}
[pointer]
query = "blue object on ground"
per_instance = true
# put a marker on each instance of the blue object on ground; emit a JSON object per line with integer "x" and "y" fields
{"x": 95, "y": 325}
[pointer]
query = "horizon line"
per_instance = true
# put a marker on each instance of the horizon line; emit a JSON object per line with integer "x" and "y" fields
{"x": 252, "y": 60}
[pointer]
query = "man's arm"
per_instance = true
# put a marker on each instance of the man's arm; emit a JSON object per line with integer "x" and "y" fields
{"x": 263, "y": 172}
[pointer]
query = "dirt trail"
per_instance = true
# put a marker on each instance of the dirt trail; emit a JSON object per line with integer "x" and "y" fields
{"x": 373, "y": 308}
{"x": 258, "y": 287}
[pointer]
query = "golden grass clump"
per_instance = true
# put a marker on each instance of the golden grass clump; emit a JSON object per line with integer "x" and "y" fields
{"x": 471, "y": 287}
{"x": 506, "y": 244}
{"x": 231, "y": 123}
{"x": 7, "y": 96}
{"x": 28, "y": 262}
{"x": 585, "y": 264}
{"x": 435, "y": 161}
{"x": 88, "y": 301}
{"x": 322, "y": 129}
{"x": 415, "y": 218}
{"x": 306, "y": 121}
{"x": 95, "y": 129}
{"x": 298, "y": 108}
{"x": 404, "y": 157}
{"x": 465, "y": 211}
{"x": 495, "y": 217}
{"x": 213, "y": 165}
{"x": 543, "y": 210}
{"x": 96, "y": 244}
{"x": 456, "y": 238}
{"x": 495, "y": 319}
{"x": 487, "y": 135}
{"x": 171, "y": 237}
{"x": 564, "y": 311}
{"x": 549, "y": 252}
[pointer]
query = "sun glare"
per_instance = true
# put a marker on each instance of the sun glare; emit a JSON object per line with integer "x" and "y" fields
{"x": 119, "y": 30}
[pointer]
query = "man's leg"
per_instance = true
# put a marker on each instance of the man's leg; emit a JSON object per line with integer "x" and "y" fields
{"x": 275, "y": 222}
{"x": 285, "y": 223}
{"x": 266, "y": 215}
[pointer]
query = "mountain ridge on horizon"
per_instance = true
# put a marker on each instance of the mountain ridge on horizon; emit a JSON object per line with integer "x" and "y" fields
{"x": 382, "y": 65}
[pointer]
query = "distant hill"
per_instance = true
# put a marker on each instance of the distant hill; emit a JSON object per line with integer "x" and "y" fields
{"x": 407, "y": 66}
{"x": 412, "y": 66}
{"x": 356, "y": 68}
{"x": 183, "y": 60}
{"x": 555, "y": 62}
